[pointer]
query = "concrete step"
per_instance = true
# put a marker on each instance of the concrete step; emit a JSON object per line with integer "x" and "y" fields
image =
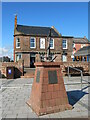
{"x": 30, "y": 76}
{"x": 29, "y": 70}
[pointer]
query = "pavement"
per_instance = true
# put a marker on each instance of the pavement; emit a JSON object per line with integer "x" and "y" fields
{"x": 14, "y": 94}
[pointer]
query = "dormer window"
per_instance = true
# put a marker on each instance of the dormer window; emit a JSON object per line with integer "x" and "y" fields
{"x": 17, "y": 43}
{"x": 64, "y": 44}
{"x": 32, "y": 42}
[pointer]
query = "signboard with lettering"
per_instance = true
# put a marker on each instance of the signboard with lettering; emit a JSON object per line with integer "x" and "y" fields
{"x": 38, "y": 77}
{"x": 52, "y": 76}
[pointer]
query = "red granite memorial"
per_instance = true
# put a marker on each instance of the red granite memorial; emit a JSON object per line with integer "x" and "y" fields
{"x": 48, "y": 93}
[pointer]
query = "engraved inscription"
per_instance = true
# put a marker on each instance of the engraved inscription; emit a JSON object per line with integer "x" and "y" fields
{"x": 52, "y": 77}
{"x": 38, "y": 77}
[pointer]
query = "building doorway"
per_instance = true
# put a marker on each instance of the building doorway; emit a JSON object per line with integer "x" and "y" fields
{"x": 32, "y": 60}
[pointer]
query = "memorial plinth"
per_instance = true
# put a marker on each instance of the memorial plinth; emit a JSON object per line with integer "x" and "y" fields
{"x": 48, "y": 93}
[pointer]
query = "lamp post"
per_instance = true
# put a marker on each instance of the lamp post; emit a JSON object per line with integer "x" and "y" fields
{"x": 48, "y": 53}
{"x": 48, "y": 47}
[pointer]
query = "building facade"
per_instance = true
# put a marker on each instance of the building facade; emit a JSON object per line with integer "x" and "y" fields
{"x": 30, "y": 41}
{"x": 78, "y": 44}
{"x": 83, "y": 54}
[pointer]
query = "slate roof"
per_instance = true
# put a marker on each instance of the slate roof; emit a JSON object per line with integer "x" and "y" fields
{"x": 83, "y": 51}
{"x": 34, "y": 30}
{"x": 81, "y": 40}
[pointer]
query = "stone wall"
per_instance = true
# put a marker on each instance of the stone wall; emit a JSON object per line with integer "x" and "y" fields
{"x": 0, "y": 69}
{"x": 25, "y": 44}
{"x": 18, "y": 68}
{"x": 58, "y": 51}
{"x": 84, "y": 66}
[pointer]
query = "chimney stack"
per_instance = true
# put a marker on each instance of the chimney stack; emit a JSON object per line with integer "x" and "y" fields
{"x": 15, "y": 22}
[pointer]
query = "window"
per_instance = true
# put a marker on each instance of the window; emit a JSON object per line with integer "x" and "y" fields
{"x": 64, "y": 44}
{"x": 32, "y": 60}
{"x": 18, "y": 57}
{"x": 17, "y": 43}
{"x": 73, "y": 45}
{"x": 42, "y": 43}
{"x": 64, "y": 58}
{"x": 51, "y": 43}
{"x": 32, "y": 43}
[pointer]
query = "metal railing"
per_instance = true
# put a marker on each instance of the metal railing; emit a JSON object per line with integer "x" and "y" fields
{"x": 76, "y": 70}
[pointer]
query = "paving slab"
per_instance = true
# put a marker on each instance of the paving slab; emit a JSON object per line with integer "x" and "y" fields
{"x": 15, "y": 93}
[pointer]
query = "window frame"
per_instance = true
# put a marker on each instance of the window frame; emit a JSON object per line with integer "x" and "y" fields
{"x": 17, "y": 42}
{"x": 63, "y": 59}
{"x": 40, "y": 43}
{"x": 73, "y": 45}
{"x": 18, "y": 54}
{"x": 66, "y": 44}
{"x": 53, "y": 43}
{"x": 34, "y": 42}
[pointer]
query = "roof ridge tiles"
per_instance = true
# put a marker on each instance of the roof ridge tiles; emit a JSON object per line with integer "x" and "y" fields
{"x": 34, "y": 26}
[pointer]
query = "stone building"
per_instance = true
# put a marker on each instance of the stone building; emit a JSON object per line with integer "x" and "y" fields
{"x": 79, "y": 43}
{"x": 83, "y": 54}
{"x": 30, "y": 41}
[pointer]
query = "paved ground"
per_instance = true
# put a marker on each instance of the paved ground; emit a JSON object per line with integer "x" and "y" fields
{"x": 15, "y": 93}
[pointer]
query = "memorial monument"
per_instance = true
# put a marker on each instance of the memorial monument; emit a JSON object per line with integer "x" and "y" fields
{"x": 48, "y": 93}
